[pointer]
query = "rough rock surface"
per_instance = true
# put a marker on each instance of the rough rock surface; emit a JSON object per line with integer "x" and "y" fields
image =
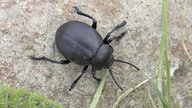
{"x": 27, "y": 27}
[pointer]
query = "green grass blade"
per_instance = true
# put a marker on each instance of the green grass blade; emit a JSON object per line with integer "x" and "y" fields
{"x": 127, "y": 92}
{"x": 160, "y": 67}
{"x": 178, "y": 104}
{"x": 152, "y": 101}
{"x": 97, "y": 95}
{"x": 160, "y": 95}
{"x": 190, "y": 91}
{"x": 21, "y": 98}
{"x": 166, "y": 53}
{"x": 161, "y": 55}
{"x": 168, "y": 81}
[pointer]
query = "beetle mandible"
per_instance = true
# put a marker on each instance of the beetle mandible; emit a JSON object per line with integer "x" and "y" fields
{"x": 82, "y": 44}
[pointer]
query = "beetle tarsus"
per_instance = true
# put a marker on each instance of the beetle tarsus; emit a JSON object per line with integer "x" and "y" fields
{"x": 110, "y": 71}
{"x": 47, "y": 59}
{"x": 77, "y": 79}
{"x": 116, "y": 60}
{"x": 76, "y": 8}
{"x": 120, "y": 36}
{"x": 106, "y": 39}
{"x": 93, "y": 74}
{"x": 97, "y": 79}
{"x": 122, "y": 24}
{"x": 118, "y": 26}
{"x": 94, "y": 25}
{"x": 65, "y": 61}
{"x": 117, "y": 38}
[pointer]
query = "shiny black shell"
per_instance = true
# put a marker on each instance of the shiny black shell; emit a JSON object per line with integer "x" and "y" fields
{"x": 78, "y": 42}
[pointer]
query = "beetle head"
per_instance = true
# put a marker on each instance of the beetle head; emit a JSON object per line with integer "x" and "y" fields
{"x": 103, "y": 57}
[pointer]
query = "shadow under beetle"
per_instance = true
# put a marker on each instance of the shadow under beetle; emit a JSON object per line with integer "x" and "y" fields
{"x": 82, "y": 44}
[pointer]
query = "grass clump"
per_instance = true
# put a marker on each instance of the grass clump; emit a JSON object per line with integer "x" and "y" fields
{"x": 21, "y": 98}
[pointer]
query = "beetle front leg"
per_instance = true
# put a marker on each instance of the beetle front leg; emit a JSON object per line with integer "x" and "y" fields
{"x": 94, "y": 25}
{"x": 110, "y": 71}
{"x": 93, "y": 74}
{"x": 53, "y": 61}
{"x": 114, "y": 29}
{"x": 117, "y": 38}
{"x": 77, "y": 79}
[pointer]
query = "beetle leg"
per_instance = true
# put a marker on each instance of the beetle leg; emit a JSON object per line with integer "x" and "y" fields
{"x": 77, "y": 79}
{"x": 53, "y": 61}
{"x": 110, "y": 71}
{"x": 94, "y": 25}
{"x": 121, "y": 61}
{"x": 114, "y": 29}
{"x": 117, "y": 38}
{"x": 93, "y": 74}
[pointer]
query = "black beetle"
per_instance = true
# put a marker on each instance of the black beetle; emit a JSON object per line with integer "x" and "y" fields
{"x": 82, "y": 44}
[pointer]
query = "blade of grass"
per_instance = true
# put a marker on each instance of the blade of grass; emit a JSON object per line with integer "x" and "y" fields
{"x": 178, "y": 104}
{"x": 19, "y": 98}
{"x": 160, "y": 67}
{"x": 183, "y": 32}
{"x": 168, "y": 76}
{"x": 162, "y": 46}
{"x": 190, "y": 91}
{"x": 164, "y": 52}
{"x": 139, "y": 96}
{"x": 160, "y": 95}
{"x": 152, "y": 101}
{"x": 99, "y": 90}
{"x": 128, "y": 92}
{"x": 168, "y": 80}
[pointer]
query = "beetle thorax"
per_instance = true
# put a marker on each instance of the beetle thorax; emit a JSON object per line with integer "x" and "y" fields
{"x": 103, "y": 57}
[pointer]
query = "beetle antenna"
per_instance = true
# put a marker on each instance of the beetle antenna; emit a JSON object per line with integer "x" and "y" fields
{"x": 121, "y": 61}
{"x": 110, "y": 71}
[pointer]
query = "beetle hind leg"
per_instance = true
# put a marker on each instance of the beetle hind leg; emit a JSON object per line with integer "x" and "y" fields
{"x": 50, "y": 60}
{"x": 94, "y": 25}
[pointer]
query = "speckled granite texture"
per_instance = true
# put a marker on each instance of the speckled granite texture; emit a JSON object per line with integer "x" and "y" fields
{"x": 27, "y": 27}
